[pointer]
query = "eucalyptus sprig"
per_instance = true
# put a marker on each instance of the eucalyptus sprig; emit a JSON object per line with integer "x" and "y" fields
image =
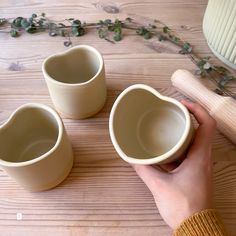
{"x": 112, "y": 31}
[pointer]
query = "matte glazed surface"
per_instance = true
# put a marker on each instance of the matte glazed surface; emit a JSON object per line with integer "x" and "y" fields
{"x": 145, "y": 125}
{"x": 77, "y": 66}
{"x": 35, "y": 150}
{"x": 33, "y": 132}
{"x": 76, "y": 81}
{"x": 103, "y": 196}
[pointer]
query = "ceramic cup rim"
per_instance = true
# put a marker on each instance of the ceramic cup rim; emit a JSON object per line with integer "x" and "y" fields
{"x": 56, "y": 117}
{"x": 167, "y": 154}
{"x": 67, "y": 52}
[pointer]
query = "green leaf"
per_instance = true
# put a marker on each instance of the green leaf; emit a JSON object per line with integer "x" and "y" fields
{"x": 166, "y": 29}
{"x": 201, "y": 63}
{"x": 220, "y": 69}
{"x": 147, "y": 35}
{"x": 81, "y": 31}
{"x": 13, "y": 33}
{"x": 218, "y": 91}
{"x": 76, "y": 23}
{"x": 141, "y": 30}
{"x": 176, "y": 39}
{"x": 117, "y": 37}
{"x": 31, "y": 29}
{"x": 25, "y": 23}
{"x": 101, "y": 33}
{"x": 77, "y": 31}
{"x": 17, "y": 22}
{"x": 41, "y": 22}
{"x": 118, "y": 30}
{"x": 187, "y": 47}
{"x": 144, "y": 32}
{"x": 31, "y": 20}
{"x": 111, "y": 27}
{"x": 74, "y": 31}
{"x": 204, "y": 66}
{"x": 225, "y": 80}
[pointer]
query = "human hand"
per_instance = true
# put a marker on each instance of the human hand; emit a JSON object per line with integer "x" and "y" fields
{"x": 182, "y": 190}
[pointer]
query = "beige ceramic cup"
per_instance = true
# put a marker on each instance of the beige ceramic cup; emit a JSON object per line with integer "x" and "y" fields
{"x": 34, "y": 147}
{"x": 148, "y": 128}
{"x": 76, "y": 81}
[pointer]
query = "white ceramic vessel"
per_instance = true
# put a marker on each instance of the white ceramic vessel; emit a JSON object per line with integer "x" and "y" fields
{"x": 34, "y": 147}
{"x": 147, "y": 128}
{"x": 219, "y": 27}
{"x": 76, "y": 81}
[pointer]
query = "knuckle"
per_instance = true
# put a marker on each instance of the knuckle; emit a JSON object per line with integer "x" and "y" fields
{"x": 198, "y": 107}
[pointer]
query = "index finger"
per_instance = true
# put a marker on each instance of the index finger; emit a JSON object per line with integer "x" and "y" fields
{"x": 207, "y": 124}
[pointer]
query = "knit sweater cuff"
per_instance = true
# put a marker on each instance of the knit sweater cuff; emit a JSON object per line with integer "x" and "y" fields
{"x": 206, "y": 222}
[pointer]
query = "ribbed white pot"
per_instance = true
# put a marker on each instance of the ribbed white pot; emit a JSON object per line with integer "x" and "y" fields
{"x": 219, "y": 27}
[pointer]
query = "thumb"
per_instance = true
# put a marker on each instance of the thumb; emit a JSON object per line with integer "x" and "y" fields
{"x": 152, "y": 177}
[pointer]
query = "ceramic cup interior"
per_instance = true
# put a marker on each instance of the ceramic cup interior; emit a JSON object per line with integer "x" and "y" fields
{"x": 31, "y": 132}
{"x": 76, "y": 66}
{"x": 146, "y": 126}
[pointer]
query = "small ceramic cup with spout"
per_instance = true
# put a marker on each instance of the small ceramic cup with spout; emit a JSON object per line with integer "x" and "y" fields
{"x": 34, "y": 147}
{"x": 76, "y": 81}
{"x": 148, "y": 128}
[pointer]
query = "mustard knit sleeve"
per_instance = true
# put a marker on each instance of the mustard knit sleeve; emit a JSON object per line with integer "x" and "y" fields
{"x": 204, "y": 223}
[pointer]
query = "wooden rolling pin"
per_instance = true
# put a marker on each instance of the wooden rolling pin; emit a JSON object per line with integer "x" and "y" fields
{"x": 222, "y": 109}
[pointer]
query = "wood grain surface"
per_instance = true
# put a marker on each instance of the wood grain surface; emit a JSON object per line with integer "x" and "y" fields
{"x": 102, "y": 195}
{"x": 222, "y": 109}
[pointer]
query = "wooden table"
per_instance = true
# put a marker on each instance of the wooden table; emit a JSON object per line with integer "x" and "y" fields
{"x": 102, "y": 195}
